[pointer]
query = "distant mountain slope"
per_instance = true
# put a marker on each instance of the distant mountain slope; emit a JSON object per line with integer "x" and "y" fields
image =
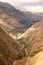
{"x": 29, "y": 14}
{"x": 19, "y": 21}
{"x": 10, "y": 16}
{"x": 9, "y": 8}
{"x": 10, "y": 49}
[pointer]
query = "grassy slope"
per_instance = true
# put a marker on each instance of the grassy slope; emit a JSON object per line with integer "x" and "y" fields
{"x": 9, "y": 48}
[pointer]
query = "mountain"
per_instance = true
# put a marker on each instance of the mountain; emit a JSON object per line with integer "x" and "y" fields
{"x": 32, "y": 39}
{"x": 31, "y": 14}
{"x": 21, "y": 36}
{"x": 9, "y": 7}
{"x": 17, "y": 22}
{"x": 10, "y": 16}
{"x": 10, "y": 49}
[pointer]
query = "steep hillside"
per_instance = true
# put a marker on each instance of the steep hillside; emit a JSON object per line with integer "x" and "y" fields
{"x": 36, "y": 60}
{"x": 32, "y": 39}
{"x": 24, "y": 61}
{"x": 27, "y": 29}
{"x": 10, "y": 49}
{"x": 17, "y": 21}
{"x": 10, "y": 16}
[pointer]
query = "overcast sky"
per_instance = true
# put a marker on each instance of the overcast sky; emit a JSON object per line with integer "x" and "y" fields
{"x": 31, "y": 5}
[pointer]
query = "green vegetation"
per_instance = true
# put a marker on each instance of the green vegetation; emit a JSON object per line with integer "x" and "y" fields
{"x": 34, "y": 52}
{"x": 25, "y": 45}
{"x": 17, "y": 30}
{"x": 19, "y": 40}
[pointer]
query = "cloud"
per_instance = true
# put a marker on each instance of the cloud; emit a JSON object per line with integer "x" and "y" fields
{"x": 36, "y": 8}
{"x": 31, "y": 5}
{"x": 28, "y": 1}
{"x": 22, "y": 3}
